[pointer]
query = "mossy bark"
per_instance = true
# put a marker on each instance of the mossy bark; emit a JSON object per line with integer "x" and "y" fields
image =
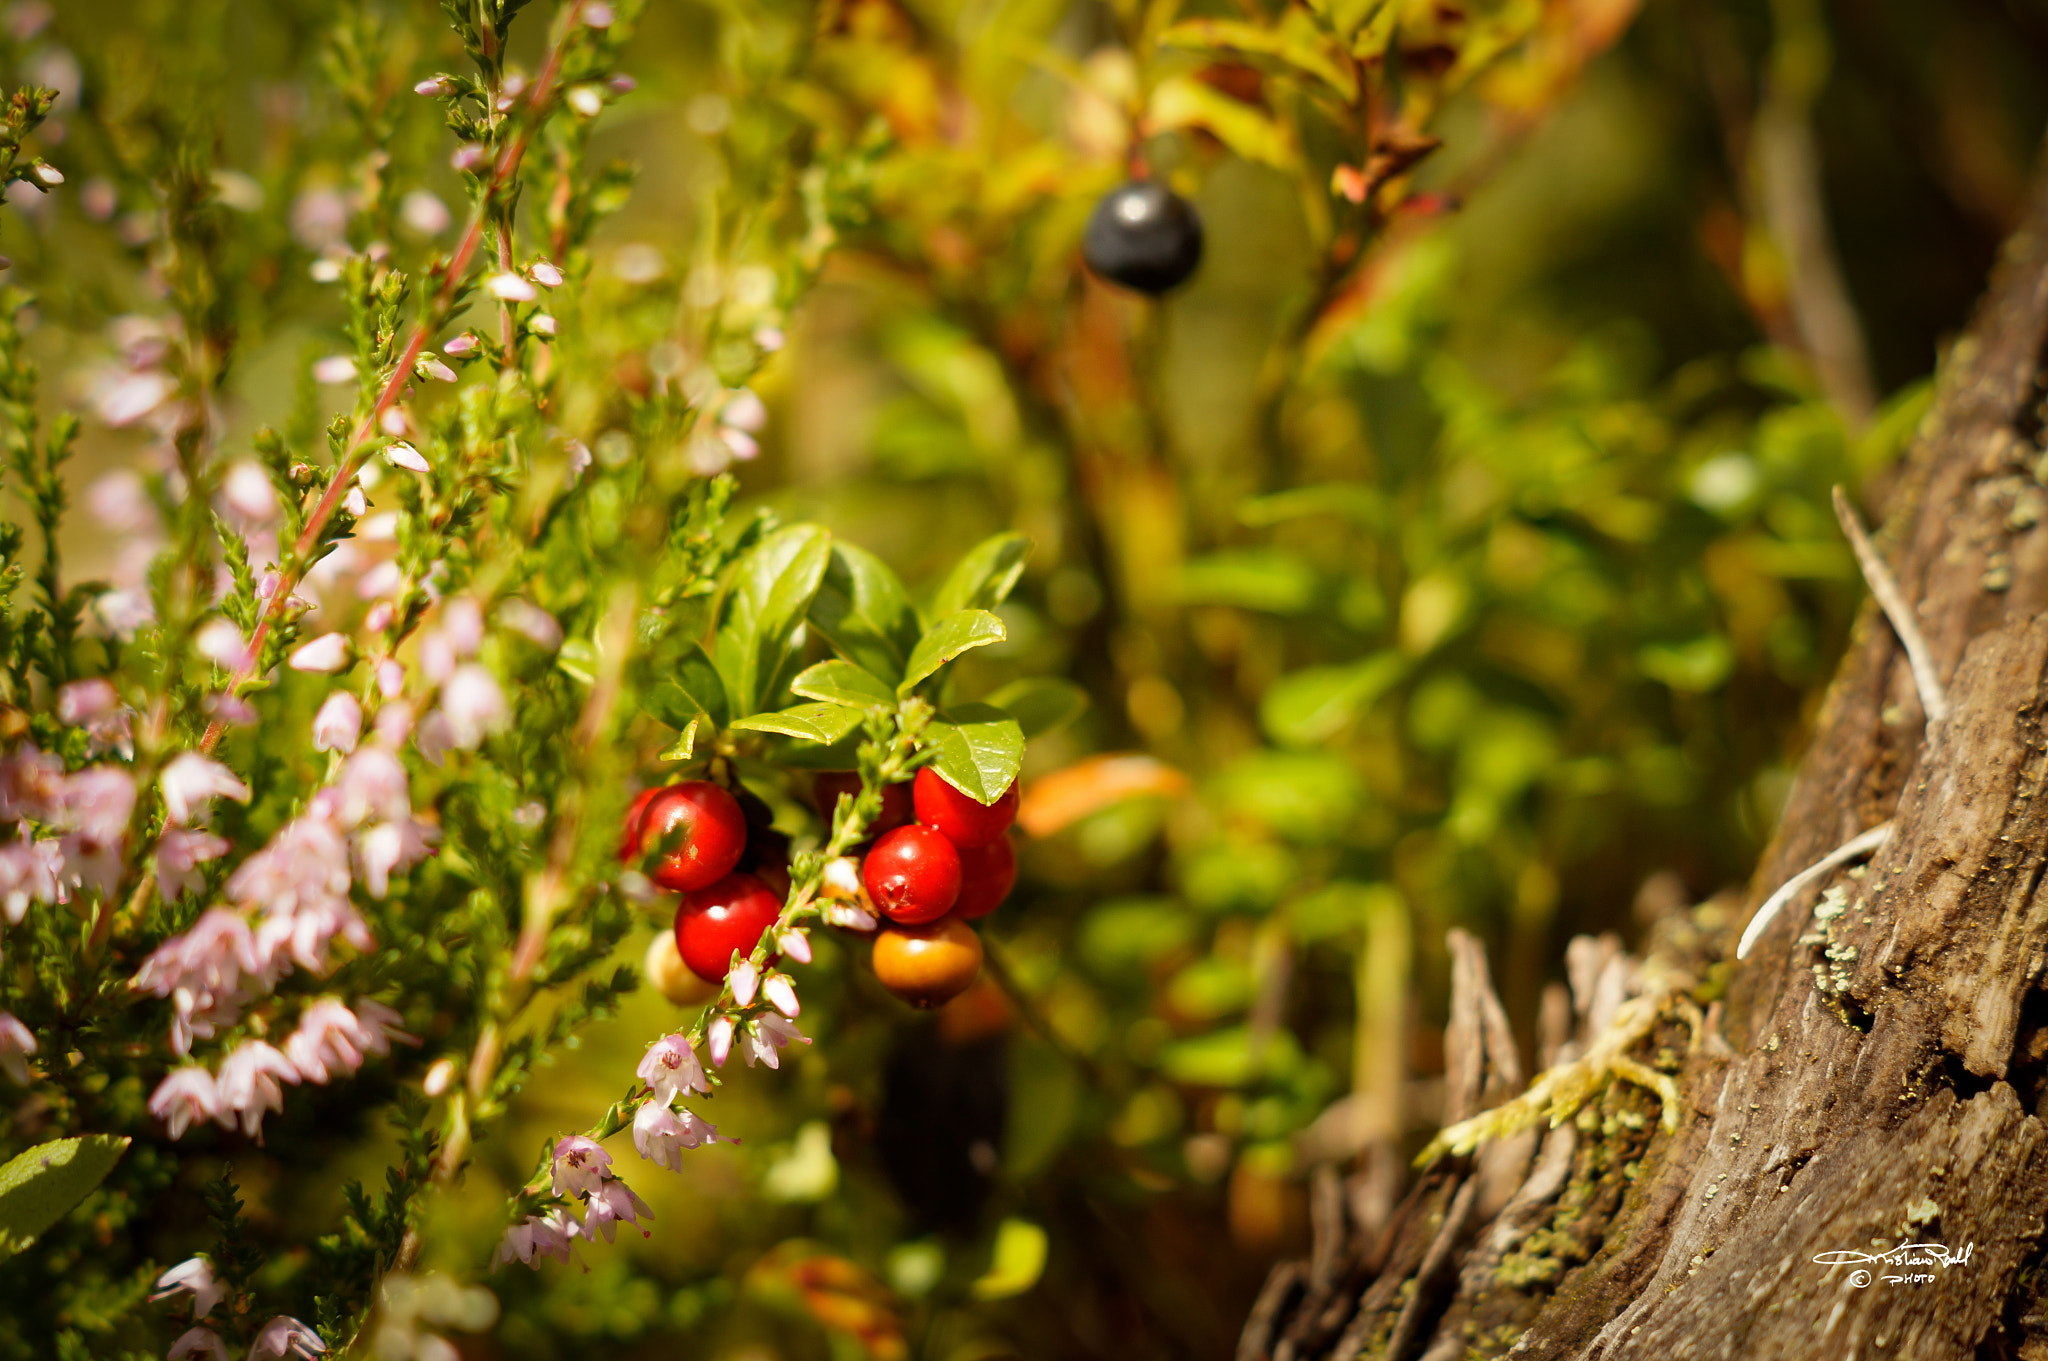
{"x": 1878, "y": 1073}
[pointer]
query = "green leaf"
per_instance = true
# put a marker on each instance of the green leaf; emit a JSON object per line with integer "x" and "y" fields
{"x": 685, "y": 743}
{"x": 692, "y": 689}
{"x": 1695, "y": 667}
{"x": 985, "y": 577}
{"x": 1310, "y": 706}
{"x": 864, "y": 612}
{"x": 1019, "y": 1261}
{"x": 1255, "y": 135}
{"x": 1292, "y": 47}
{"x": 838, "y": 682}
{"x": 1041, "y": 703}
{"x": 976, "y": 749}
{"x": 38, "y": 1187}
{"x": 1252, "y": 578}
{"x": 770, "y": 593}
{"x": 820, "y": 723}
{"x": 1353, "y": 501}
{"x": 954, "y": 634}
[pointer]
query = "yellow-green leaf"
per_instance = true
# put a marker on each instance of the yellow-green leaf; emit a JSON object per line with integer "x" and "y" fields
{"x": 820, "y": 723}
{"x": 1185, "y": 102}
{"x": 40, "y": 1186}
{"x": 1018, "y": 1261}
{"x": 952, "y": 635}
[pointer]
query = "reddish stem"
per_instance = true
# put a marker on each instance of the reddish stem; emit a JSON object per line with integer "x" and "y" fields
{"x": 290, "y": 571}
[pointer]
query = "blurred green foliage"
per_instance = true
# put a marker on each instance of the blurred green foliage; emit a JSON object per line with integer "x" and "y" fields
{"x": 1465, "y": 544}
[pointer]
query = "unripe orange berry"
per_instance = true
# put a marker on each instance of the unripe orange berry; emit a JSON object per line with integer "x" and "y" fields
{"x": 928, "y": 965}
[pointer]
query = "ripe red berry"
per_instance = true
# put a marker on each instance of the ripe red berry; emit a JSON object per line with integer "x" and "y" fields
{"x": 698, "y": 831}
{"x": 930, "y": 965}
{"x": 965, "y": 821}
{"x": 987, "y": 874}
{"x": 629, "y": 836}
{"x": 727, "y": 916}
{"x": 896, "y": 807}
{"x": 913, "y": 874}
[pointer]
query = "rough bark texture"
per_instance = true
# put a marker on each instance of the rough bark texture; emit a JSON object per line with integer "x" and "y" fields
{"x": 1880, "y": 1074}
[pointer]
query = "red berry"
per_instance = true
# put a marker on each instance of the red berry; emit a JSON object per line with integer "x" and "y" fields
{"x": 729, "y": 915}
{"x": 629, "y": 837}
{"x": 896, "y": 809}
{"x": 965, "y": 821}
{"x": 695, "y": 831}
{"x": 913, "y": 874}
{"x": 987, "y": 874}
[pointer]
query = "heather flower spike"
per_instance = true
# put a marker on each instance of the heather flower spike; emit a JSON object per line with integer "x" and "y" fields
{"x": 194, "y": 1277}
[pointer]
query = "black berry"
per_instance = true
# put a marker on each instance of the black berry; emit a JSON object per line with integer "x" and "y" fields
{"x": 1144, "y": 236}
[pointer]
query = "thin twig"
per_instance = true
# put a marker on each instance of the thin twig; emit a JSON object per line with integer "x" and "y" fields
{"x": 1854, "y": 849}
{"x": 1883, "y": 585}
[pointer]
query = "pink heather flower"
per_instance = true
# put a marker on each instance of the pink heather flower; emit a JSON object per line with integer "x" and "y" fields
{"x": 439, "y": 85}
{"x": 764, "y": 1038}
{"x": 230, "y": 709}
{"x": 390, "y": 678}
{"x": 382, "y": 616}
{"x": 120, "y": 501}
{"x": 403, "y": 455}
{"x": 179, "y": 853}
{"x": 184, "y": 1098}
{"x": 434, "y": 737}
{"x": 470, "y": 156}
{"x": 553, "y": 1234}
{"x": 622, "y": 84}
{"x": 31, "y": 783}
{"x": 248, "y": 492}
{"x": 671, "y": 1069}
{"x": 16, "y": 1044}
{"x": 308, "y": 933}
{"x": 598, "y": 14}
{"x": 842, "y": 878}
{"x": 781, "y": 994}
{"x": 339, "y": 724}
{"x": 283, "y": 1337}
{"x": 745, "y": 980}
{"x": 510, "y": 288}
{"x": 473, "y": 705}
{"x": 430, "y": 367}
{"x": 191, "y": 782}
{"x": 391, "y": 846}
{"x": 544, "y": 272}
{"x": 305, "y": 862}
{"x": 97, "y": 802}
{"x": 661, "y": 1134}
{"x": 372, "y": 784}
{"x": 331, "y": 1040}
{"x": 531, "y": 622}
{"x": 462, "y": 624}
{"x": 86, "y": 701}
{"x": 850, "y": 916}
{"x": 743, "y": 445}
{"x": 587, "y": 100}
{"x": 194, "y": 1277}
{"x": 334, "y": 370}
{"x": 463, "y": 344}
{"x": 439, "y": 1078}
{"x": 198, "y": 1340}
{"x": 393, "y": 723}
{"x": 718, "y": 1039}
{"x": 248, "y": 1083}
{"x": 580, "y": 1165}
{"x": 355, "y": 503}
{"x": 610, "y": 1203}
{"x": 221, "y": 643}
{"x": 769, "y": 339}
{"x": 543, "y": 324}
{"x": 129, "y": 399}
{"x": 30, "y": 871}
{"x": 327, "y": 653}
{"x": 796, "y": 944}
{"x": 744, "y": 410}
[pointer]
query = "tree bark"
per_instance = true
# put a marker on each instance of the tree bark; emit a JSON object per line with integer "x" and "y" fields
{"x": 1877, "y": 1074}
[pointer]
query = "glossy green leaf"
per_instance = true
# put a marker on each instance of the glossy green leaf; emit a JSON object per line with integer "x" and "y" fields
{"x": 952, "y": 635}
{"x": 1292, "y": 46}
{"x": 1253, "y": 578}
{"x": 985, "y": 577}
{"x": 1124, "y": 937}
{"x": 1306, "y": 707}
{"x": 1019, "y": 1261}
{"x": 693, "y": 687}
{"x": 40, "y": 1186}
{"x": 685, "y": 743}
{"x": 820, "y": 723}
{"x": 771, "y": 590}
{"x": 841, "y": 682}
{"x": 864, "y": 612}
{"x": 1041, "y": 703}
{"x": 976, "y": 749}
{"x": 1251, "y": 132}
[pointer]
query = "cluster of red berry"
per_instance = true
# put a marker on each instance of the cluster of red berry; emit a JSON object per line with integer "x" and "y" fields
{"x": 928, "y": 877}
